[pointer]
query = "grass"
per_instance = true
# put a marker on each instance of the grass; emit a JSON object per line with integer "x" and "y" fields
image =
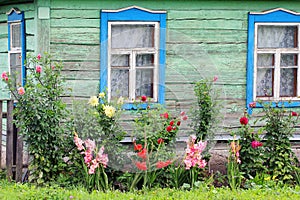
{"x": 27, "y": 191}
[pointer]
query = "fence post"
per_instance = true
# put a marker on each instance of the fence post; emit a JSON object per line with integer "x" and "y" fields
{"x": 9, "y": 140}
{"x": 19, "y": 159}
{"x": 1, "y": 128}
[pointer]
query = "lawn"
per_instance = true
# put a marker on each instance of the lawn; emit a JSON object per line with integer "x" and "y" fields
{"x": 26, "y": 191}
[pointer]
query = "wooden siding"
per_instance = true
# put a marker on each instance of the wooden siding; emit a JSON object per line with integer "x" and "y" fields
{"x": 204, "y": 39}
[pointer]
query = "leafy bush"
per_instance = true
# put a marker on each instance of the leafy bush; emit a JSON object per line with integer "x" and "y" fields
{"x": 40, "y": 116}
{"x": 205, "y": 112}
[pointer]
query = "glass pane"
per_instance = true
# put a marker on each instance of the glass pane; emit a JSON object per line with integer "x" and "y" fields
{"x": 264, "y": 82}
{"x": 288, "y": 80}
{"x": 265, "y": 60}
{"x": 119, "y": 60}
{"x": 132, "y": 36}
{"x": 144, "y": 83}
{"x": 277, "y": 36}
{"x": 119, "y": 80}
{"x": 144, "y": 60}
{"x": 16, "y": 35}
{"x": 288, "y": 60}
{"x": 15, "y": 67}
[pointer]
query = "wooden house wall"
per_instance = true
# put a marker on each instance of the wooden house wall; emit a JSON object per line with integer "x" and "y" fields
{"x": 204, "y": 39}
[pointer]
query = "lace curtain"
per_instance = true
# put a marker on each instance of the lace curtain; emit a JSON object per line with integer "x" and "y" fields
{"x": 276, "y": 37}
{"x": 129, "y": 37}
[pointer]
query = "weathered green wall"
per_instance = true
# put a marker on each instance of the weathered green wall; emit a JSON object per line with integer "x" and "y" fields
{"x": 204, "y": 39}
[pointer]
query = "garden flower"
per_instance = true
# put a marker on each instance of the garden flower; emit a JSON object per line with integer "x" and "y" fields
{"x": 165, "y": 115}
{"x": 184, "y": 118}
{"x": 39, "y": 56}
{"x": 161, "y": 164}
{"x": 193, "y": 153}
{"x": 120, "y": 100}
{"x": 4, "y": 76}
{"x": 101, "y": 157}
{"x": 160, "y": 140}
{"x": 215, "y": 78}
{"x": 90, "y": 144}
{"x": 21, "y": 91}
{"x": 252, "y": 104}
{"x": 171, "y": 123}
{"x": 88, "y": 157}
{"x": 182, "y": 113}
{"x": 142, "y": 154}
{"x": 101, "y": 95}
{"x": 143, "y": 98}
{"x": 141, "y": 165}
{"x": 78, "y": 142}
{"x": 93, "y": 101}
{"x": 294, "y": 114}
{"x": 109, "y": 111}
{"x": 255, "y": 144}
{"x": 174, "y": 128}
{"x": 178, "y": 123}
{"x": 169, "y": 128}
{"x": 244, "y": 120}
{"x": 137, "y": 147}
{"x": 93, "y": 166}
{"x": 38, "y": 69}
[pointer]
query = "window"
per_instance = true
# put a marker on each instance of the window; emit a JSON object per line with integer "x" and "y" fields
{"x": 133, "y": 54}
{"x": 16, "y": 46}
{"x": 273, "y": 73}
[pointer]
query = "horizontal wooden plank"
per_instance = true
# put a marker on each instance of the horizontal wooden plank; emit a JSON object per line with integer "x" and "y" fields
{"x": 187, "y": 35}
{"x": 83, "y": 66}
{"x": 23, "y": 7}
{"x": 187, "y": 48}
{"x": 207, "y": 14}
{"x": 74, "y": 38}
{"x": 82, "y": 88}
{"x": 74, "y": 14}
{"x": 180, "y": 5}
{"x": 74, "y": 23}
{"x": 4, "y": 61}
{"x": 208, "y": 24}
{"x": 81, "y": 75}
{"x": 75, "y": 52}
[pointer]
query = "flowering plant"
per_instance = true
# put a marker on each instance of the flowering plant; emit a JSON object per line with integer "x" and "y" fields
{"x": 40, "y": 115}
{"x": 251, "y": 152}
{"x": 193, "y": 158}
{"x": 153, "y": 124}
{"x": 234, "y": 175}
{"x": 99, "y": 121}
{"x": 93, "y": 163}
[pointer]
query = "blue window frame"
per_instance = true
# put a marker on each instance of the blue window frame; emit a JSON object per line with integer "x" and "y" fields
{"x": 273, "y": 73}
{"x": 128, "y": 35}
{"x": 16, "y": 45}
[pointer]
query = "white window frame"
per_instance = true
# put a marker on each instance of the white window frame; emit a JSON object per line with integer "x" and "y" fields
{"x": 15, "y": 50}
{"x": 277, "y": 52}
{"x": 132, "y": 58}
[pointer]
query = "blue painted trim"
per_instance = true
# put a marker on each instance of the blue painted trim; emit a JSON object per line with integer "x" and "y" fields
{"x": 278, "y": 16}
{"x": 133, "y": 14}
{"x": 12, "y": 18}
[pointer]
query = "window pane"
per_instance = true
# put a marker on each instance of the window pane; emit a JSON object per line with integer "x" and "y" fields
{"x": 288, "y": 60}
{"x": 16, "y": 35}
{"x": 119, "y": 60}
{"x": 144, "y": 83}
{"x": 15, "y": 67}
{"x": 264, "y": 82}
{"x": 265, "y": 60}
{"x": 119, "y": 83}
{"x": 288, "y": 80}
{"x": 132, "y": 36}
{"x": 277, "y": 36}
{"x": 144, "y": 60}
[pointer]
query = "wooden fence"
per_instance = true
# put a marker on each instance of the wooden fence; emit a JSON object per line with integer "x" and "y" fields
{"x": 14, "y": 143}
